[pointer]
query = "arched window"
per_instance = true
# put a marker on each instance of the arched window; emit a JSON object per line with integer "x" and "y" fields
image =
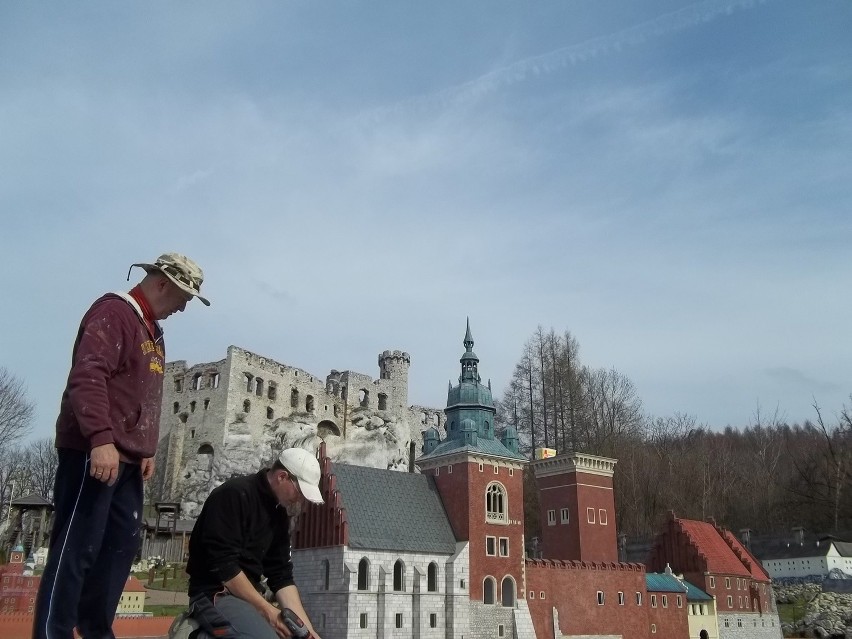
{"x": 488, "y": 588}
{"x": 204, "y": 458}
{"x": 495, "y": 503}
{"x": 364, "y": 574}
{"x": 326, "y": 574}
{"x": 432, "y": 577}
{"x": 246, "y": 406}
{"x": 399, "y": 576}
{"x": 507, "y": 591}
{"x": 364, "y": 398}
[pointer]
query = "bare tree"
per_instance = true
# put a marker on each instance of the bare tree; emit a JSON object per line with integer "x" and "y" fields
{"x": 40, "y": 463}
{"x": 16, "y": 411}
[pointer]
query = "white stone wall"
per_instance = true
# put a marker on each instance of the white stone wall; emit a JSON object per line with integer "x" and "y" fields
{"x": 220, "y": 419}
{"x": 749, "y": 626}
{"x": 343, "y": 604}
{"x": 805, "y": 565}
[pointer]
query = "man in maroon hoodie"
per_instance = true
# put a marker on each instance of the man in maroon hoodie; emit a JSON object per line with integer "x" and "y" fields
{"x": 106, "y": 436}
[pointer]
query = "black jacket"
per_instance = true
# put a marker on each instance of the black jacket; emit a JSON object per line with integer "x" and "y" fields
{"x": 241, "y": 527}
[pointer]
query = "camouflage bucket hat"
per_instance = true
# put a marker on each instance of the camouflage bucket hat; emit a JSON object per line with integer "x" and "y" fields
{"x": 181, "y": 270}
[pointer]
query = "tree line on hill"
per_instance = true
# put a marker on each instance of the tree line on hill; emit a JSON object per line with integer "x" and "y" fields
{"x": 768, "y": 476}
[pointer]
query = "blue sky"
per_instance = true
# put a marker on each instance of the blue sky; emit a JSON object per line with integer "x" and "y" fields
{"x": 669, "y": 181}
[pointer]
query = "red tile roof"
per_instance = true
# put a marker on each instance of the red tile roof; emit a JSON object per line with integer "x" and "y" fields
{"x": 20, "y": 626}
{"x": 721, "y": 558}
{"x": 134, "y": 585}
{"x": 752, "y": 564}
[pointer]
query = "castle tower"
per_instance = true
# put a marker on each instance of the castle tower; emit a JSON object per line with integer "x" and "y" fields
{"x": 577, "y": 507}
{"x": 393, "y": 366}
{"x": 481, "y": 485}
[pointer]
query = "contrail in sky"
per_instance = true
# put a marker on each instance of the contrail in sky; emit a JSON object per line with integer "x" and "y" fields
{"x": 519, "y": 71}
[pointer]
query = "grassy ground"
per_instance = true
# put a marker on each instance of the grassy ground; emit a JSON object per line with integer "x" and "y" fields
{"x": 165, "y": 611}
{"x": 165, "y": 581}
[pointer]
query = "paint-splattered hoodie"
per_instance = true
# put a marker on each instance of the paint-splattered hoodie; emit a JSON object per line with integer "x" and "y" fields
{"x": 115, "y": 386}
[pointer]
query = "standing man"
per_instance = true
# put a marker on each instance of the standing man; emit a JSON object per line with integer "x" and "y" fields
{"x": 243, "y": 533}
{"x": 106, "y": 436}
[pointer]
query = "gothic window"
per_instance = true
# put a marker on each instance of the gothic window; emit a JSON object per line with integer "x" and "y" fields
{"x": 363, "y": 574}
{"x": 258, "y": 387}
{"x": 507, "y": 591}
{"x": 489, "y": 586}
{"x": 399, "y": 576}
{"x": 432, "y": 577}
{"x": 495, "y": 503}
{"x": 249, "y": 379}
{"x": 383, "y": 401}
{"x": 364, "y": 398}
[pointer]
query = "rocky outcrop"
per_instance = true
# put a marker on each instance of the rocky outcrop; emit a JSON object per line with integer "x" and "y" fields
{"x": 374, "y": 439}
{"x": 817, "y": 613}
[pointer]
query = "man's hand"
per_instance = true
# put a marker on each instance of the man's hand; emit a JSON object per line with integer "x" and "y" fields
{"x": 273, "y": 618}
{"x": 147, "y": 468}
{"x": 104, "y": 463}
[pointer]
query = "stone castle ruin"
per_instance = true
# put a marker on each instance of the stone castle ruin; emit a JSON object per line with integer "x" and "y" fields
{"x": 230, "y": 417}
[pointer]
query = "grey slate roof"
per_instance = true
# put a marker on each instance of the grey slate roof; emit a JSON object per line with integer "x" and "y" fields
{"x": 33, "y": 500}
{"x": 488, "y": 446}
{"x": 391, "y": 510}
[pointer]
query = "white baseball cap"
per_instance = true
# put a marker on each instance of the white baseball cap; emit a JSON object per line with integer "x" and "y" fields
{"x": 305, "y": 468}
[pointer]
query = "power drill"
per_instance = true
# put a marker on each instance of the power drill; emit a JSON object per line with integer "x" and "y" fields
{"x": 294, "y": 624}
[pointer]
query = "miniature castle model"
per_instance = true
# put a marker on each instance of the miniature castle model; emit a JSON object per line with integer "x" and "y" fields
{"x": 230, "y": 416}
{"x": 441, "y": 554}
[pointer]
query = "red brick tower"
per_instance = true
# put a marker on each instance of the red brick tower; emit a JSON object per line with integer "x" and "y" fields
{"x": 577, "y": 507}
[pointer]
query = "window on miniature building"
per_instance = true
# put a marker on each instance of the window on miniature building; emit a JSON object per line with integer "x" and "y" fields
{"x": 620, "y": 598}
{"x": 258, "y": 387}
{"x": 590, "y": 515}
{"x": 511, "y": 472}
{"x": 653, "y": 628}
{"x": 551, "y": 517}
{"x": 437, "y": 470}
{"x": 270, "y": 414}
{"x": 249, "y": 380}
{"x": 399, "y": 576}
{"x": 192, "y": 433}
{"x": 564, "y": 515}
{"x": 399, "y": 620}
{"x": 183, "y": 417}
{"x": 532, "y": 594}
{"x": 638, "y": 598}
{"x": 335, "y": 410}
{"x": 294, "y": 398}
{"x": 480, "y": 468}
{"x": 602, "y": 517}
{"x": 206, "y": 402}
{"x": 601, "y": 598}
{"x": 272, "y": 391}
{"x": 665, "y": 601}
{"x": 363, "y": 575}
{"x": 501, "y": 630}
{"x": 489, "y": 586}
{"x": 450, "y": 469}
{"x": 432, "y": 577}
{"x": 712, "y": 582}
{"x": 679, "y": 601}
{"x": 739, "y": 623}
{"x": 383, "y": 401}
{"x": 246, "y": 406}
{"x": 175, "y": 407}
{"x": 504, "y": 546}
{"x": 495, "y": 502}
{"x": 433, "y": 620}
{"x": 490, "y": 546}
{"x": 541, "y": 595}
{"x": 653, "y": 601}
{"x": 364, "y": 398}
{"x": 730, "y": 601}
{"x": 496, "y": 469}
{"x": 192, "y": 406}
{"x": 197, "y": 384}
{"x": 214, "y": 380}
{"x": 178, "y": 384}
{"x": 728, "y": 583}
{"x": 309, "y": 403}
{"x": 508, "y": 592}
{"x": 422, "y": 418}
{"x": 362, "y": 620}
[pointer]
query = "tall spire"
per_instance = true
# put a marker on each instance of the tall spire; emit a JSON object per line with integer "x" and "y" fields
{"x": 469, "y": 361}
